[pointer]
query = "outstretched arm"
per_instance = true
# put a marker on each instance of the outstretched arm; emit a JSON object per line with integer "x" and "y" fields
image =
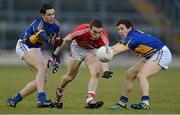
{"x": 65, "y": 41}
{"x": 119, "y": 48}
{"x": 54, "y": 60}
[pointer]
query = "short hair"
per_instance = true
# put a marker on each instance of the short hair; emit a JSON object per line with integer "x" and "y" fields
{"x": 45, "y": 7}
{"x": 125, "y": 22}
{"x": 96, "y": 23}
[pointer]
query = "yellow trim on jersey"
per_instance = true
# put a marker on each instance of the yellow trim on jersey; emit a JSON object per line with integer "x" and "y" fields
{"x": 150, "y": 52}
{"x": 128, "y": 43}
{"x": 37, "y": 33}
{"x": 141, "y": 50}
{"x": 123, "y": 46}
{"x": 34, "y": 38}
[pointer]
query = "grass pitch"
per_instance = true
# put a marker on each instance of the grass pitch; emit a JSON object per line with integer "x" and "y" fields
{"x": 164, "y": 91}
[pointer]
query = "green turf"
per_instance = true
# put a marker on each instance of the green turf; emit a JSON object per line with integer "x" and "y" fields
{"x": 164, "y": 90}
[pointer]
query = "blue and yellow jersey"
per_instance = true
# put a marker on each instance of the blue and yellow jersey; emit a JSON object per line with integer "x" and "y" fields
{"x": 143, "y": 44}
{"x": 30, "y": 35}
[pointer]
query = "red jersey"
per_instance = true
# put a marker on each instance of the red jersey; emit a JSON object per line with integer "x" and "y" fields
{"x": 82, "y": 36}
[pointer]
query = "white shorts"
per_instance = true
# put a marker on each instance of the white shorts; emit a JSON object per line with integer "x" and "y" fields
{"x": 163, "y": 57}
{"x": 79, "y": 53}
{"x": 22, "y": 49}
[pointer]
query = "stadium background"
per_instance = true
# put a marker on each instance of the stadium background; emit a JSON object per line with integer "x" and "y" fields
{"x": 158, "y": 17}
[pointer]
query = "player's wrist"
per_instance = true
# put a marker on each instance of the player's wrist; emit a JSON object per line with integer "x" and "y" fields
{"x": 56, "y": 57}
{"x": 53, "y": 55}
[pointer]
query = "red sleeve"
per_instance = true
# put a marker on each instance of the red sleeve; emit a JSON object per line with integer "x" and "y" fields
{"x": 104, "y": 41}
{"x": 81, "y": 29}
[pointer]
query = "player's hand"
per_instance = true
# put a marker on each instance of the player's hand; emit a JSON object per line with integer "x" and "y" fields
{"x": 54, "y": 63}
{"x": 55, "y": 66}
{"x": 107, "y": 74}
{"x": 51, "y": 60}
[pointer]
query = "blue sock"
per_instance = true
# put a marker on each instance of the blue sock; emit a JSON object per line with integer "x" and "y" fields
{"x": 17, "y": 98}
{"x": 145, "y": 98}
{"x": 41, "y": 97}
{"x": 123, "y": 99}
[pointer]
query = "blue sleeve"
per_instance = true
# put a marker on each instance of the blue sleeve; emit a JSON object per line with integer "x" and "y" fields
{"x": 57, "y": 31}
{"x": 37, "y": 25}
{"x": 43, "y": 36}
{"x": 130, "y": 42}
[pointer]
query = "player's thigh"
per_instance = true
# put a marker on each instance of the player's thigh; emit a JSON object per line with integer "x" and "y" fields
{"x": 132, "y": 71}
{"x": 32, "y": 68}
{"x": 34, "y": 58}
{"x": 149, "y": 69}
{"x": 73, "y": 67}
{"x": 93, "y": 64}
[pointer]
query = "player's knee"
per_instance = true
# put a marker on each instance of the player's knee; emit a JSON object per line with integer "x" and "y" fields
{"x": 141, "y": 76}
{"x": 42, "y": 67}
{"x": 130, "y": 73}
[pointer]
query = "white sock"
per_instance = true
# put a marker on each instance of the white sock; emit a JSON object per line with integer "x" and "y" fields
{"x": 122, "y": 103}
{"x": 146, "y": 102}
{"x": 89, "y": 99}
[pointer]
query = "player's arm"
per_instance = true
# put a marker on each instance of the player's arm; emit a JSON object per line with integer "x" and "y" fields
{"x": 67, "y": 39}
{"x": 119, "y": 48}
{"x": 57, "y": 53}
{"x": 43, "y": 36}
{"x": 39, "y": 32}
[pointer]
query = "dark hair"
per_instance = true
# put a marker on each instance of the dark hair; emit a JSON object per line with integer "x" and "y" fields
{"x": 126, "y": 22}
{"x": 45, "y": 7}
{"x": 96, "y": 23}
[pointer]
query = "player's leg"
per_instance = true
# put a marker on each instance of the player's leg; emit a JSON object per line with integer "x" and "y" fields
{"x": 160, "y": 60}
{"x": 95, "y": 68}
{"x": 149, "y": 69}
{"x": 36, "y": 60}
{"x": 21, "y": 50}
{"x": 28, "y": 89}
{"x": 128, "y": 85}
{"x": 73, "y": 67}
{"x": 31, "y": 86}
